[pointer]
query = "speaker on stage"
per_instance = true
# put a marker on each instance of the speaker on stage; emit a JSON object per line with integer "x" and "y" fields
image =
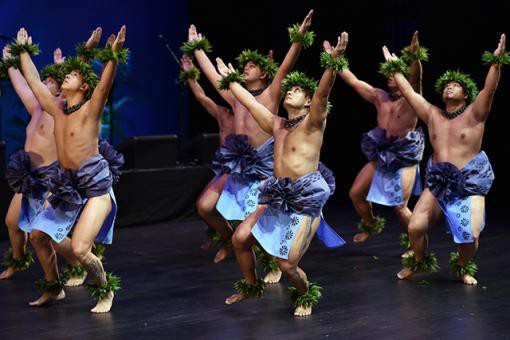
{"x": 200, "y": 150}
{"x": 149, "y": 152}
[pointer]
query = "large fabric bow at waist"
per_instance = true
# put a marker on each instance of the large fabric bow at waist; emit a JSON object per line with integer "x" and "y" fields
{"x": 393, "y": 153}
{"x": 71, "y": 188}
{"x": 237, "y": 156}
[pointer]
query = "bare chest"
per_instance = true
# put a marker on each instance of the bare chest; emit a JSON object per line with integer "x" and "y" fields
{"x": 40, "y": 124}
{"x": 396, "y": 117}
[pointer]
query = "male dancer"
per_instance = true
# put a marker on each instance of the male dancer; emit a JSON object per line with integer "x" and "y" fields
{"x": 29, "y": 169}
{"x": 247, "y": 155}
{"x": 394, "y": 148}
{"x": 290, "y": 202}
{"x": 458, "y": 175}
{"x": 82, "y": 196}
{"x": 206, "y": 202}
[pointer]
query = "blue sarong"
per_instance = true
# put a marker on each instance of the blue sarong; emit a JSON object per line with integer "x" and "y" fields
{"x": 453, "y": 189}
{"x": 288, "y": 203}
{"x": 71, "y": 190}
{"x": 31, "y": 183}
{"x": 392, "y": 155}
{"x": 247, "y": 167}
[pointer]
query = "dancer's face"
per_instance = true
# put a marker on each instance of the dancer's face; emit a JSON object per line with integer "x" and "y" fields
{"x": 74, "y": 81}
{"x": 253, "y": 72}
{"x": 392, "y": 84}
{"x": 52, "y": 85}
{"x": 454, "y": 91}
{"x": 297, "y": 98}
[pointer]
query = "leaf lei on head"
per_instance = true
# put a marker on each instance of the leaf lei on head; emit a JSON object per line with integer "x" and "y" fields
{"x": 266, "y": 64}
{"x": 300, "y": 79}
{"x": 85, "y": 69}
{"x": 460, "y": 77}
{"x": 55, "y": 71}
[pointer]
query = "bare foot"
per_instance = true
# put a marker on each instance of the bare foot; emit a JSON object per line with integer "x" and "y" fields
{"x": 405, "y": 273}
{"x": 303, "y": 311}
{"x": 207, "y": 244}
{"x": 468, "y": 280}
{"x": 75, "y": 281}
{"x": 234, "y": 298}
{"x": 273, "y": 276}
{"x": 47, "y": 297}
{"x": 221, "y": 255}
{"x": 360, "y": 237}
{"x": 238, "y": 298}
{"x": 407, "y": 253}
{"x": 8, "y": 273}
{"x": 104, "y": 305}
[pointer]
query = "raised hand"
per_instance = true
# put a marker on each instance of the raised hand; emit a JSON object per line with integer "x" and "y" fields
{"x": 307, "y": 22}
{"x": 340, "y": 47}
{"x": 23, "y": 37}
{"x": 192, "y": 33}
{"x": 223, "y": 70}
{"x": 501, "y": 46}
{"x": 110, "y": 40}
{"x": 415, "y": 44}
{"x": 57, "y": 56}
{"x": 186, "y": 63}
{"x": 270, "y": 55}
{"x": 119, "y": 40}
{"x": 6, "y": 52}
{"x": 387, "y": 55}
{"x": 94, "y": 38}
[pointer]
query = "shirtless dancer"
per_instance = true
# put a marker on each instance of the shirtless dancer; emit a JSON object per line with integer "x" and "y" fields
{"x": 82, "y": 196}
{"x": 206, "y": 202}
{"x": 458, "y": 174}
{"x": 239, "y": 197}
{"x": 394, "y": 148}
{"x": 29, "y": 168}
{"x": 290, "y": 202}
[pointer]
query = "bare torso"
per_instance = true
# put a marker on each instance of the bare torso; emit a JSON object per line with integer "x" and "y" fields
{"x": 40, "y": 139}
{"x": 244, "y": 123}
{"x": 225, "y": 122}
{"x": 296, "y": 150}
{"x": 77, "y": 136}
{"x": 396, "y": 117}
{"x": 456, "y": 141}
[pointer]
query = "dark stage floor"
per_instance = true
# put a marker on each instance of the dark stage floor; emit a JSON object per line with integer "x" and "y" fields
{"x": 172, "y": 290}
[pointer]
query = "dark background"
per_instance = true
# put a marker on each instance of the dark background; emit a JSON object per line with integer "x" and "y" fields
{"x": 455, "y": 32}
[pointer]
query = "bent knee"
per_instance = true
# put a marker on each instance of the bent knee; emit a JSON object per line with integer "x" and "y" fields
{"x": 355, "y": 194}
{"x": 285, "y": 266}
{"x": 401, "y": 210}
{"x": 11, "y": 223}
{"x": 204, "y": 208}
{"x": 80, "y": 249}
{"x": 416, "y": 226}
{"x": 37, "y": 237}
{"x": 240, "y": 241}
